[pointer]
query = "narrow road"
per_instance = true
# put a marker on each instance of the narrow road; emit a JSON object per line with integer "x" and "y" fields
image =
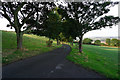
{"x": 48, "y": 65}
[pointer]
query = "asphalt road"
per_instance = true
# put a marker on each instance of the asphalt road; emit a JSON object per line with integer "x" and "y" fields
{"x": 48, "y": 65}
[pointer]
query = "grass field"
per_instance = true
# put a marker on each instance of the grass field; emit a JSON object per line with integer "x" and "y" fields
{"x": 101, "y": 59}
{"x": 32, "y": 45}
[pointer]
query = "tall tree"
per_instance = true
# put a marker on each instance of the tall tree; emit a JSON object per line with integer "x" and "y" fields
{"x": 88, "y": 16}
{"x": 23, "y": 16}
{"x": 52, "y": 26}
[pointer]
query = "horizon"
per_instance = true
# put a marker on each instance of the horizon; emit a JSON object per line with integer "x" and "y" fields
{"x": 83, "y": 36}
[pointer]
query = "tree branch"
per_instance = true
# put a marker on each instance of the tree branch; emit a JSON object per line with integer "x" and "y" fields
{"x": 19, "y": 8}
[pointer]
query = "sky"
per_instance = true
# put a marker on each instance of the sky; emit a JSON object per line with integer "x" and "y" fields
{"x": 104, "y": 32}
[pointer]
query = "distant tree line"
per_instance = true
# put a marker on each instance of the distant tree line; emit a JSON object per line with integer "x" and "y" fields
{"x": 109, "y": 42}
{"x": 113, "y": 42}
{"x": 89, "y": 41}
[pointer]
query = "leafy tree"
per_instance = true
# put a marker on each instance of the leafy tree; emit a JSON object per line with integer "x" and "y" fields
{"x": 88, "y": 16}
{"x": 114, "y": 42}
{"x": 108, "y": 42}
{"x": 87, "y": 41}
{"x": 23, "y": 15}
{"x": 62, "y": 37}
{"x": 51, "y": 27}
{"x": 54, "y": 25}
{"x": 97, "y": 42}
{"x": 69, "y": 28}
{"x": 71, "y": 40}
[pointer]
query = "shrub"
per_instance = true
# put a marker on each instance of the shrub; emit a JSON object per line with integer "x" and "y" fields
{"x": 102, "y": 44}
{"x": 49, "y": 43}
{"x": 97, "y": 42}
{"x": 114, "y": 42}
{"x": 87, "y": 41}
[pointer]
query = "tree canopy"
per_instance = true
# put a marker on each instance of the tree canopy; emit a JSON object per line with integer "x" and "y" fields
{"x": 23, "y": 16}
{"x": 88, "y": 16}
{"x": 73, "y": 20}
{"x": 52, "y": 26}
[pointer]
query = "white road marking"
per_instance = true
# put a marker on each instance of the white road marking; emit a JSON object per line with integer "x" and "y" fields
{"x": 59, "y": 66}
{"x": 51, "y": 71}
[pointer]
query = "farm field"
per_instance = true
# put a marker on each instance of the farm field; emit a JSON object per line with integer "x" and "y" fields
{"x": 103, "y": 60}
{"x": 32, "y": 45}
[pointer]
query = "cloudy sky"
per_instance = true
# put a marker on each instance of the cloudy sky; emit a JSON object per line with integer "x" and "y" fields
{"x": 95, "y": 33}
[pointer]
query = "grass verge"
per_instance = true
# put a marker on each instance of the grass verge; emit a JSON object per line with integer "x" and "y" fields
{"x": 32, "y": 45}
{"x": 103, "y": 60}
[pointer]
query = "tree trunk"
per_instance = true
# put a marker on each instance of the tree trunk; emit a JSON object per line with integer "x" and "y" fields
{"x": 80, "y": 44}
{"x": 72, "y": 43}
{"x": 19, "y": 40}
{"x": 57, "y": 42}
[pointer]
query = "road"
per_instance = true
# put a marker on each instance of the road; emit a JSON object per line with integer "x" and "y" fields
{"x": 48, "y": 65}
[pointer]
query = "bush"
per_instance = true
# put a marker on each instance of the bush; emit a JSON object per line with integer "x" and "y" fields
{"x": 87, "y": 41}
{"x": 97, "y": 42}
{"x": 114, "y": 42}
{"x": 49, "y": 43}
{"x": 102, "y": 44}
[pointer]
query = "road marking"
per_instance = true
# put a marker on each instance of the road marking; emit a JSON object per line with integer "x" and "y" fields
{"x": 59, "y": 66}
{"x": 51, "y": 71}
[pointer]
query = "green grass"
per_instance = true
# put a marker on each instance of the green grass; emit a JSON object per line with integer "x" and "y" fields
{"x": 101, "y": 59}
{"x": 32, "y": 45}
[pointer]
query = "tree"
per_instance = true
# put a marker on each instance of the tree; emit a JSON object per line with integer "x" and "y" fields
{"x": 62, "y": 37}
{"x": 70, "y": 28}
{"x": 108, "y": 41}
{"x": 23, "y": 15}
{"x": 52, "y": 26}
{"x": 88, "y": 16}
{"x": 87, "y": 41}
{"x": 114, "y": 42}
{"x": 71, "y": 40}
{"x": 97, "y": 42}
